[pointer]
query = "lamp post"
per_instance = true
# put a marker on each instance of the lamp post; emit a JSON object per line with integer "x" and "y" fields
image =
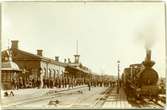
{"x": 118, "y": 82}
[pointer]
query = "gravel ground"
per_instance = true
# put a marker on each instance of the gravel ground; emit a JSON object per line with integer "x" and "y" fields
{"x": 82, "y": 98}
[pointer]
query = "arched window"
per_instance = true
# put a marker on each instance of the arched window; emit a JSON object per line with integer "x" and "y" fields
{"x": 54, "y": 72}
{"x": 45, "y": 75}
{"x": 58, "y": 74}
{"x": 62, "y": 73}
{"x": 50, "y": 73}
{"x": 41, "y": 70}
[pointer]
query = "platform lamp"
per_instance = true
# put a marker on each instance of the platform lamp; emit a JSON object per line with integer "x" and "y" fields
{"x": 118, "y": 62}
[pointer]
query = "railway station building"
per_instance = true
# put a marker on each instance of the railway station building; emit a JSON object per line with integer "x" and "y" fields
{"x": 34, "y": 65}
{"x": 37, "y": 67}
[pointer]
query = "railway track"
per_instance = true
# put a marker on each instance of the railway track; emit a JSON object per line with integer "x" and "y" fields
{"x": 93, "y": 97}
{"x": 150, "y": 103}
{"x": 157, "y": 103}
{"x": 40, "y": 98}
{"x": 101, "y": 100}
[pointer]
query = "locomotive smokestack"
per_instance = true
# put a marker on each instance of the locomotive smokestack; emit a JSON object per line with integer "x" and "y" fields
{"x": 148, "y": 63}
{"x": 148, "y": 55}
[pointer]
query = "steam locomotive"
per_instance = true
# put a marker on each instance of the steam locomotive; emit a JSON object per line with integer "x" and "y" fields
{"x": 140, "y": 80}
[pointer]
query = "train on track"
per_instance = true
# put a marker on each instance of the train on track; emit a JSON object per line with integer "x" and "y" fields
{"x": 140, "y": 80}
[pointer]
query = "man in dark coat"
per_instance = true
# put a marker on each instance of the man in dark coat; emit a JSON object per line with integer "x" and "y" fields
{"x": 89, "y": 85}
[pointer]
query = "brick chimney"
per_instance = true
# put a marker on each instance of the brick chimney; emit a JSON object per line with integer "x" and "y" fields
{"x": 69, "y": 61}
{"x": 65, "y": 60}
{"x": 14, "y": 44}
{"x": 39, "y": 52}
{"x": 56, "y": 58}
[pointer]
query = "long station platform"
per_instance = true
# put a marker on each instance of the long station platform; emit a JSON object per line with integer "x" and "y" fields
{"x": 117, "y": 100}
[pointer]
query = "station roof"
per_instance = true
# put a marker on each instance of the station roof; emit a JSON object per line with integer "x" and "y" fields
{"x": 37, "y": 57}
{"x": 78, "y": 68}
{"x": 10, "y": 65}
{"x": 45, "y": 58}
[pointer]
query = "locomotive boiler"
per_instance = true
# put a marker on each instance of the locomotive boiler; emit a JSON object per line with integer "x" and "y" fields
{"x": 140, "y": 80}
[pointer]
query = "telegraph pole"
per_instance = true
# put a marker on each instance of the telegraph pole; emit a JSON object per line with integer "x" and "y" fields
{"x": 118, "y": 82}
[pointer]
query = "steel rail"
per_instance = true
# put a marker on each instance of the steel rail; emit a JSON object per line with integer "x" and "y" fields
{"x": 101, "y": 99}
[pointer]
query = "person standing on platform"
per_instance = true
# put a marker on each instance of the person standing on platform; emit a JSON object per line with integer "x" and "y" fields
{"x": 89, "y": 85}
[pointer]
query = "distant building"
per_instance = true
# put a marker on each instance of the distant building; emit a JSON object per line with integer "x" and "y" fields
{"x": 76, "y": 69}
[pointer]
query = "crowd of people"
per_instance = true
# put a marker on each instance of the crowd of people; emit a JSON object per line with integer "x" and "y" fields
{"x": 21, "y": 83}
{"x": 62, "y": 82}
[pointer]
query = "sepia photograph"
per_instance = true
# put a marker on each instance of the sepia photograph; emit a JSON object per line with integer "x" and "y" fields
{"x": 83, "y": 55}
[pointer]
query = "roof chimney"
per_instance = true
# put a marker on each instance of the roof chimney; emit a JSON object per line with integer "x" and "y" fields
{"x": 39, "y": 52}
{"x": 65, "y": 60}
{"x": 14, "y": 44}
{"x": 56, "y": 58}
{"x": 69, "y": 61}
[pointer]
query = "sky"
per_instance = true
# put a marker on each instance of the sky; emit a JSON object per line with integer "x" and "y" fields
{"x": 106, "y": 32}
